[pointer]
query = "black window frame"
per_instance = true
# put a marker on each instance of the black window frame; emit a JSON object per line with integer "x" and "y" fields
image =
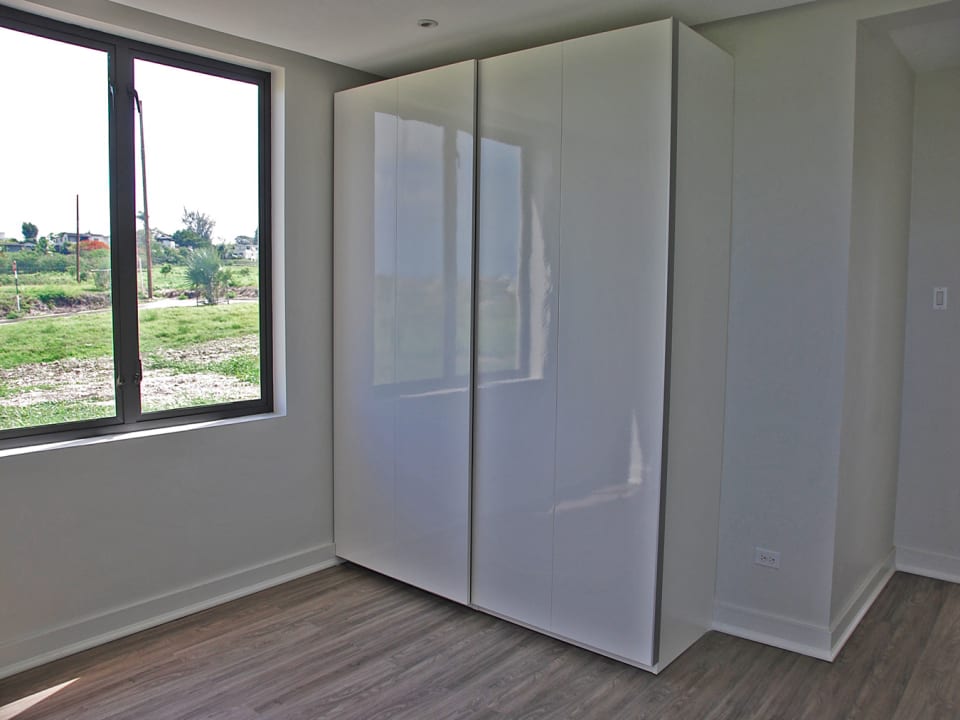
{"x": 119, "y": 91}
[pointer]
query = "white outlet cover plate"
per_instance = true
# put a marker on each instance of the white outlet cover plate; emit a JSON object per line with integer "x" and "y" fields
{"x": 766, "y": 558}
{"x": 940, "y": 298}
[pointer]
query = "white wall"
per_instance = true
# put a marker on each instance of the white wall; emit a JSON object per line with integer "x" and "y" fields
{"x": 792, "y": 206}
{"x": 928, "y": 503}
{"x": 876, "y": 302}
{"x": 101, "y": 537}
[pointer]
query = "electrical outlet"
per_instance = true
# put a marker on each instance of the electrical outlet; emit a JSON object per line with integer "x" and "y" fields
{"x": 767, "y": 558}
{"x": 940, "y": 298}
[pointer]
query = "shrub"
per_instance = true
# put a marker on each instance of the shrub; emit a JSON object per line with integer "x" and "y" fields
{"x": 32, "y": 262}
{"x": 101, "y": 278}
{"x": 206, "y": 274}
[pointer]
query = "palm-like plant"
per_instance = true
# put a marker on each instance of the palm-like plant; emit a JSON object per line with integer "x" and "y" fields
{"x": 206, "y": 273}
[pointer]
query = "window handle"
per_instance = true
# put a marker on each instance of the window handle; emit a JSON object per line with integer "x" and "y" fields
{"x": 137, "y": 376}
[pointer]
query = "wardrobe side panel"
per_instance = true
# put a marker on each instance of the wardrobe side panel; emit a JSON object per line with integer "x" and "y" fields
{"x": 365, "y": 160}
{"x": 615, "y": 202}
{"x": 515, "y": 416}
{"x": 433, "y": 287}
{"x": 699, "y": 340}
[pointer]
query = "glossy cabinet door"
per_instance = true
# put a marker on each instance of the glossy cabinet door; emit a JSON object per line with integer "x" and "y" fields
{"x": 403, "y": 286}
{"x": 572, "y": 326}
{"x": 517, "y": 324}
{"x": 614, "y": 240}
{"x": 572, "y": 329}
{"x": 365, "y": 238}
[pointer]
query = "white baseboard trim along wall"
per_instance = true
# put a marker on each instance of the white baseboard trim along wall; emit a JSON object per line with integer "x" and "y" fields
{"x": 776, "y": 630}
{"x": 24, "y": 653}
{"x": 862, "y": 600}
{"x": 820, "y": 641}
{"x": 929, "y": 564}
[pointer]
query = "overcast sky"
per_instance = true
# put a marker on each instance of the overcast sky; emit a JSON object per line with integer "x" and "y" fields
{"x": 201, "y": 139}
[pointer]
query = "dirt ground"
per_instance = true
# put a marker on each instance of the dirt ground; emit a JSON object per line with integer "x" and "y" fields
{"x": 92, "y": 380}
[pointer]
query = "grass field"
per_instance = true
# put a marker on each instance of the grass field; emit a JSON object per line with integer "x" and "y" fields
{"x": 51, "y": 413}
{"x": 41, "y": 291}
{"x": 60, "y": 369}
{"x": 56, "y": 356}
{"x": 90, "y": 335}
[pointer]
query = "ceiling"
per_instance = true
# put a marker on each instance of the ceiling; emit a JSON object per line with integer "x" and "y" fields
{"x": 930, "y": 46}
{"x": 382, "y": 36}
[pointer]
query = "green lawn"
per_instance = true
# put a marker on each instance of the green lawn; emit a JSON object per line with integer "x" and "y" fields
{"x": 90, "y": 335}
{"x": 183, "y": 326}
{"x": 52, "y": 413}
{"x": 52, "y": 295}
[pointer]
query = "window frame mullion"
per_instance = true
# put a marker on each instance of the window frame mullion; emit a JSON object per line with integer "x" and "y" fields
{"x": 124, "y": 246}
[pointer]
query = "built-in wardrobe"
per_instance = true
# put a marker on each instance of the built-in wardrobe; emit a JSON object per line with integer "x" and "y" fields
{"x": 531, "y": 263}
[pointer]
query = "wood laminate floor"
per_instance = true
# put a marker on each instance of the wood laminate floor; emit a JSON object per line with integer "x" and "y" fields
{"x": 347, "y": 643}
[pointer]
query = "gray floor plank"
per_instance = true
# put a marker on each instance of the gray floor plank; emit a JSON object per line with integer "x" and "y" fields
{"x": 347, "y": 643}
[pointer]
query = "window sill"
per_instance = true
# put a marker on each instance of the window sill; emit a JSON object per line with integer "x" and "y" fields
{"x": 135, "y": 434}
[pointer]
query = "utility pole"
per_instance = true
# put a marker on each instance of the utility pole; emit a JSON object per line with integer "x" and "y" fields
{"x": 146, "y": 211}
{"x": 78, "y": 237}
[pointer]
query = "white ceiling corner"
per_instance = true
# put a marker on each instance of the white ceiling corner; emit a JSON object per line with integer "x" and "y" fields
{"x": 930, "y": 46}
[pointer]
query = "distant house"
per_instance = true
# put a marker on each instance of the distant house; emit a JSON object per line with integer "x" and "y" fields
{"x": 67, "y": 238}
{"x": 245, "y": 248}
{"x": 14, "y": 246}
{"x": 165, "y": 241}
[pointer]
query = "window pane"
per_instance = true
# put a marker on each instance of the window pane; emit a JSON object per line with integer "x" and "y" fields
{"x": 56, "y": 327}
{"x": 199, "y": 284}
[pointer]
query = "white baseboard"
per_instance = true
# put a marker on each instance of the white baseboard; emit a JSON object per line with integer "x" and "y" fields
{"x": 54, "y": 643}
{"x": 929, "y": 564}
{"x": 776, "y": 630}
{"x": 819, "y": 641}
{"x": 861, "y": 601}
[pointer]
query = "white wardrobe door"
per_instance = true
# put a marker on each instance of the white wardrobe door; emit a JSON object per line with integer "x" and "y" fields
{"x": 614, "y": 228}
{"x": 515, "y": 415}
{"x": 364, "y": 256}
{"x": 433, "y": 286}
{"x": 403, "y": 266}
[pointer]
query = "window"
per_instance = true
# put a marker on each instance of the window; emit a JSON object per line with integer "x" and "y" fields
{"x": 134, "y": 234}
